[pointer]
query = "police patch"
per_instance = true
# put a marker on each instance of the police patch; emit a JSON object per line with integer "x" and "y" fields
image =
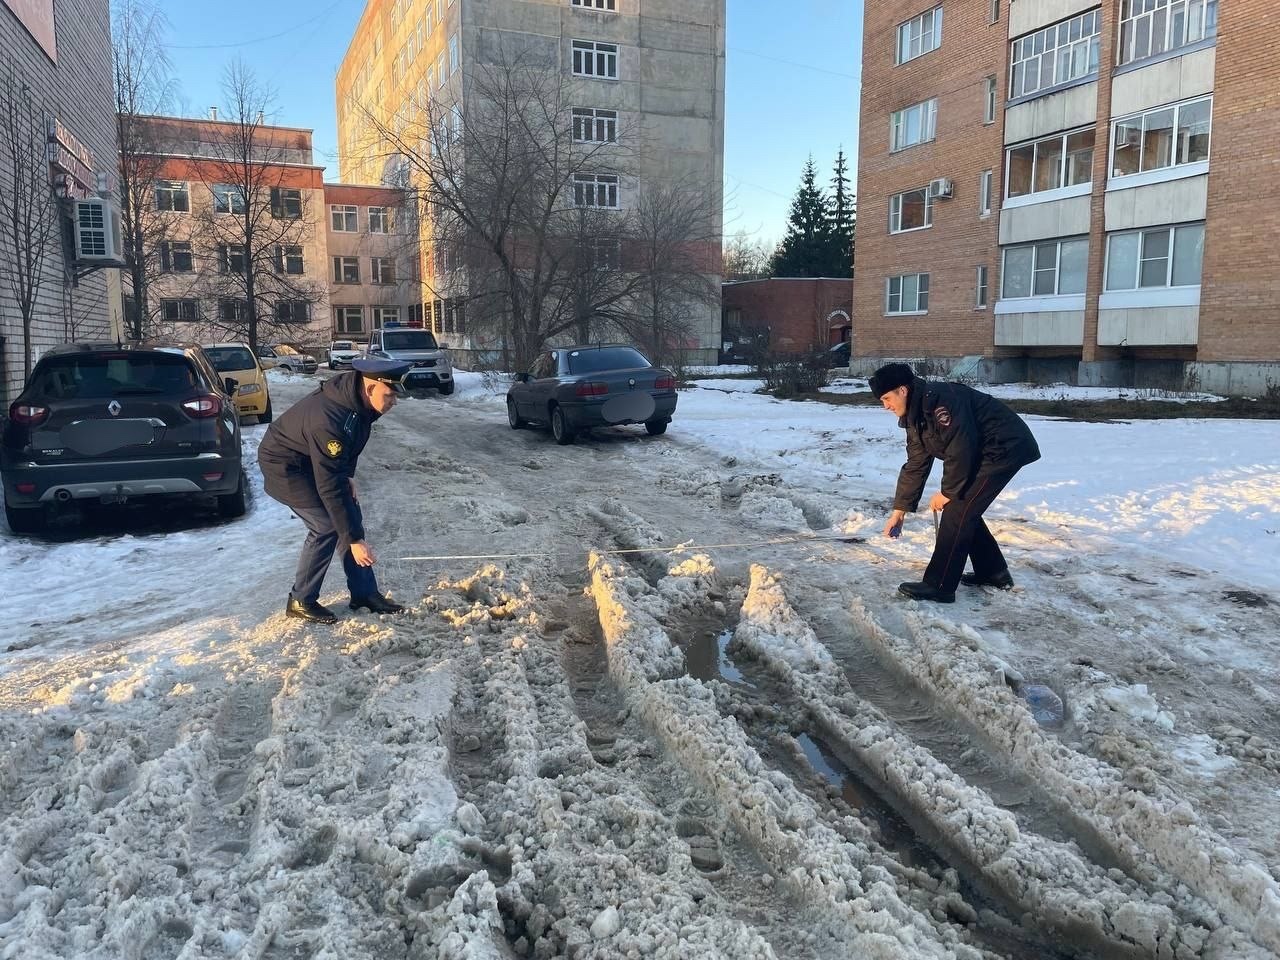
{"x": 943, "y": 416}
{"x": 333, "y": 448}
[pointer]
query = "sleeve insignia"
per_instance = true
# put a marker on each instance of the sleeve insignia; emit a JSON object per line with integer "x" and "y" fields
{"x": 943, "y": 416}
{"x": 333, "y": 448}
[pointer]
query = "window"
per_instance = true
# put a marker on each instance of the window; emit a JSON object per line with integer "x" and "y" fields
{"x": 980, "y": 296}
{"x": 286, "y": 204}
{"x": 176, "y": 257}
{"x": 343, "y": 219}
{"x": 1063, "y": 160}
{"x": 595, "y": 126}
{"x": 912, "y": 210}
{"x": 289, "y": 259}
{"x": 173, "y": 195}
{"x": 180, "y": 310}
{"x": 233, "y": 257}
{"x": 908, "y": 293}
{"x": 383, "y": 269}
{"x": 595, "y": 190}
{"x": 1150, "y": 27}
{"x": 346, "y": 269}
{"x": 915, "y": 124}
{"x": 1167, "y": 137}
{"x": 592, "y": 59}
{"x": 989, "y": 100}
{"x": 1049, "y": 269}
{"x": 293, "y": 311}
{"x": 994, "y": 15}
{"x": 379, "y": 219}
{"x": 348, "y": 319}
{"x": 1162, "y": 257}
{"x": 233, "y": 311}
{"x": 385, "y": 315}
{"x": 918, "y": 36}
{"x": 1055, "y": 55}
{"x": 454, "y": 60}
{"x": 455, "y": 123}
{"x": 984, "y": 192}
{"x": 442, "y": 71}
{"x": 596, "y": 4}
{"x": 600, "y": 253}
{"x": 227, "y": 198}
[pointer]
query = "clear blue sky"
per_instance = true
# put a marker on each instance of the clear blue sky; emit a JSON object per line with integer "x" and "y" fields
{"x": 792, "y": 86}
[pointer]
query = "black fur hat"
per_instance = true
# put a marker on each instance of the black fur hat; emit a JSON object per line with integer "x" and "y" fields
{"x": 888, "y": 377}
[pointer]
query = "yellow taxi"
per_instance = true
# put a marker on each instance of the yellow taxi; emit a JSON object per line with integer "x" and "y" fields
{"x": 236, "y": 361}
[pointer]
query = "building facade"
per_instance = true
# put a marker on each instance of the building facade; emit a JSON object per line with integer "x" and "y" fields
{"x": 658, "y": 69}
{"x": 57, "y": 77}
{"x": 1057, "y": 189}
{"x": 785, "y": 315}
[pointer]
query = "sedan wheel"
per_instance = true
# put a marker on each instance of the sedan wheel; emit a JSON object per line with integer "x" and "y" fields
{"x": 517, "y": 422}
{"x": 656, "y": 428}
{"x": 560, "y": 428}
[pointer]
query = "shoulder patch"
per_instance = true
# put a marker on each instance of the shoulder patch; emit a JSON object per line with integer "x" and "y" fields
{"x": 333, "y": 448}
{"x": 943, "y": 416}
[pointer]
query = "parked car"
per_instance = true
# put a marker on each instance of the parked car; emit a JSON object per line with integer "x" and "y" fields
{"x": 266, "y": 357}
{"x": 838, "y": 355}
{"x": 110, "y": 423}
{"x": 294, "y": 361}
{"x": 342, "y": 352}
{"x": 236, "y": 360}
{"x": 431, "y": 365}
{"x": 576, "y": 388}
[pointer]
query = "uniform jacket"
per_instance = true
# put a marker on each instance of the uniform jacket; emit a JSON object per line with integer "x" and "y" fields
{"x": 972, "y": 433}
{"x": 309, "y": 454}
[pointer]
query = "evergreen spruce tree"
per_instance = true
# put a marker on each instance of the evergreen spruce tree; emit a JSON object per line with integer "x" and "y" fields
{"x": 804, "y": 250}
{"x": 843, "y": 221}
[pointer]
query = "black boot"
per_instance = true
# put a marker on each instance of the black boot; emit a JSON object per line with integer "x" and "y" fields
{"x": 923, "y": 591}
{"x": 1001, "y": 580}
{"x": 309, "y": 610}
{"x": 376, "y": 603}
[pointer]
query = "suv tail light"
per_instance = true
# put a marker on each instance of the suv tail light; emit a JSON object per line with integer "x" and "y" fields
{"x": 596, "y": 389}
{"x": 205, "y": 406}
{"x": 28, "y": 414}
{"x": 665, "y": 383}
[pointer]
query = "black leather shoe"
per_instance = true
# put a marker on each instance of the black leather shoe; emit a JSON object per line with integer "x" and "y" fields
{"x": 376, "y": 603}
{"x": 1001, "y": 580}
{"x": 923, "y": 591}
{"x": 309, "y": 610}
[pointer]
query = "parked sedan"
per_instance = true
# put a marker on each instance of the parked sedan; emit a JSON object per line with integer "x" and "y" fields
{"x": 291, "y": 360}
{"x": 236, "y": 361}
{"x": 342, "y": 352}
{"x": 572, "y": 389}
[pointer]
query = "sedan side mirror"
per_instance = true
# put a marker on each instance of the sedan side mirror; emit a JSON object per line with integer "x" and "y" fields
{"x": 230, "y": 384}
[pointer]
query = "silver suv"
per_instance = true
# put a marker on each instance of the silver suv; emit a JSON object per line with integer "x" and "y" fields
{"x": 431, "y": 366}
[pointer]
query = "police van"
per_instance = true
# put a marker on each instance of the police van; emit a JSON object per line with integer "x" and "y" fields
{"x": 431, "y": 367}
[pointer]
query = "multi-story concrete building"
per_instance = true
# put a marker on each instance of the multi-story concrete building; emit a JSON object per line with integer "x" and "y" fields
{"x": 658, "y": 69}
{"x": 57, "y": 79}
{"x": 1038, "y": 194}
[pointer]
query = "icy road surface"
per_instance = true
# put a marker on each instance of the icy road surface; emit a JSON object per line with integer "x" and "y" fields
{"x": 744, "y": 748}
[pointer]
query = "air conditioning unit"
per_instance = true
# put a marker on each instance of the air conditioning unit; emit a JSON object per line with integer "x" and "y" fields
{"x": 98, "y": 236}
{"x": 940, "y": 189}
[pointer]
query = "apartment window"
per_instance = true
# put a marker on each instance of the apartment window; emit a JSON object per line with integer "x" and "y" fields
{"x": 910, "y": 211}
{"x": 913, "y": 125}
{"x": 227, "y": 198}
{"x": 908, "y": 293}
{"x": 382, "y": 269}
{"x": 379, "y": 219}
{"x": 454, "y": 60}
{"x": 980, "y": 294}
{"x": 233, "y": 257}
{"x": 442, "y": 70}
{"x": 989, "y": 100}
{"x": 1055, "y": 55}
{"x": 346, "y": 269}
{"x": 455, "y": 123}
{"x": 385, "y": 315}
{"x": 173, "y": 195}
{"x": 596, "y": 4}
{"x": 984, "y": 192}
{"x": 595, "y": 190}
{"x": 595, "y": 126}
{"x": 176, "y": 257}
{"x": 343, "y": 219}
{"x": 233, "y": 311}
{"x": 918, "y": 36}
{"x": 994, "y": 15}
{"x": 289, "y": 259}
{"x": 1053, "y": 268}
{"x": 592, "y": 59}
{"x": 180, "y": 310}
{"x": 600, "y": 253}
{"x": 1063, "y": 160}
{"x": 348, "y": 319}
{"x": 293, "y": 311}
{"x": 1150, "y": 27}
{"x": 1160, "y": 257}
{"x": 1167, "y": 137}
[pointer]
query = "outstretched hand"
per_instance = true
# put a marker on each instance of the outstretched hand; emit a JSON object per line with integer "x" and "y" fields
{"x": 363, "y": 554}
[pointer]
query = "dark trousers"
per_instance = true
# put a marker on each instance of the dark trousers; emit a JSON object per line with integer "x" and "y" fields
{"x": 317, "y": 551}
{"x": 962, "y": 534}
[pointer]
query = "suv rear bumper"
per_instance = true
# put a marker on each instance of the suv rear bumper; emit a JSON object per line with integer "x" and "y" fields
{"x": 61, "y": 482}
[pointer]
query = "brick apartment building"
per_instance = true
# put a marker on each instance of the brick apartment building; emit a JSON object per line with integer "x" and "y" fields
{"x": 58, "y": 56}
{"x": 1038, "y": 196}
{"x": 789, "y": 314}
{"x": 657, "y": 68}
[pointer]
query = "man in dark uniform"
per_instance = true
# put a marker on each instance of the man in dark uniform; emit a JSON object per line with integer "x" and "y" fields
{"x": 982, "y": 444}
{"x": 308, "y": 459}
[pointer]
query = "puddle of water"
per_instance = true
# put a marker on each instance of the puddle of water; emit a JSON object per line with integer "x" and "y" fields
{"x": 706, "y": 658}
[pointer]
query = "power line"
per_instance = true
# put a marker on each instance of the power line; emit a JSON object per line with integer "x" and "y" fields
{"x": 245, "y": 43}
{"x": 795, "y": 63}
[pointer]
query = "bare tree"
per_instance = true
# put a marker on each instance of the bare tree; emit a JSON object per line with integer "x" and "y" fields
{"x": 258, "y": 224}
{"x": 29, "y": 219}
{"x": 744, "y": 258}
{"x": 144, "y": 86}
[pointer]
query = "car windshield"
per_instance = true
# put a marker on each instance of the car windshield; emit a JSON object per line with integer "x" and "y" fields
{"x": 606, "y": 358}
{"x": 342, "y": 345}
{"x": 230, "y": 358}
{"x": 408, "y": 340}
{"x": 95, "y": 376}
